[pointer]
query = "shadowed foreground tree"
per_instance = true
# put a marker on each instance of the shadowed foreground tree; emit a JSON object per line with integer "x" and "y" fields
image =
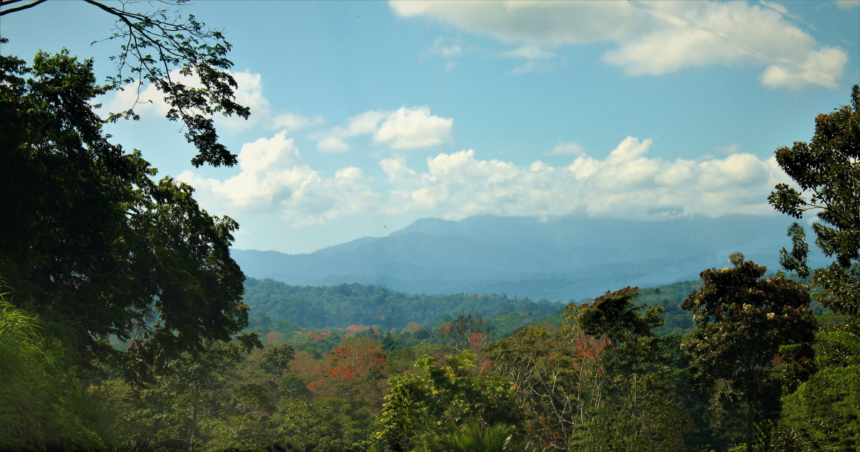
{"x": 742, "y": 320}
{"x": 89, "y": 241}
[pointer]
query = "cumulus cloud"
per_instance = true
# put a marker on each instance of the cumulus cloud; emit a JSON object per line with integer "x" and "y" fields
{"x": 332, "y": 145}
{"x": 404, "y": 128}
{"x": 249, "y": 93}
{"x": 625, "y": 184}
{"x": 655, "y": 38}
{"x": 273, "y": 176}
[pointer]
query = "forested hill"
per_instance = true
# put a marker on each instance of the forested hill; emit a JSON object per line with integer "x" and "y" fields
{"x": 339, "y": 306}
{"x": 560, "y": 259}
{"x": 357, "y": 304}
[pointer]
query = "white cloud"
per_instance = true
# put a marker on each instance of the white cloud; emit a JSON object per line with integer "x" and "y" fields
{"x": 413, "y": 128}
{"x": 730, "y": 149}
{"x": 248, "y": 92}
{"x": 531, "y": 22}
{"x": 332, "y": 145}
{"x": 625, "y": 184}
{"x": 439, "y": 48}
{"x": 529, "y": 53}
{"x": 536, "y": 58}
{"x": 775, "y": 6}
{"x": 404, "y": 128}
{"x": 844, "y": 4}
{"x": 655, "y": 38}
{"x": 292, "y": 121}
{"x": 822, "y": 68}
{"x": 563, "y": 148}
{"x": 274, "y": 177}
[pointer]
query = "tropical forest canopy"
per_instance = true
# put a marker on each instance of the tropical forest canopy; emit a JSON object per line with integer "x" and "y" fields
{"x": 126, "y": 324}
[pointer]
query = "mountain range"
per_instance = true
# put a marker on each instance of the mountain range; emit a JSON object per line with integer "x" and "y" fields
{"x": 562, "y": 259}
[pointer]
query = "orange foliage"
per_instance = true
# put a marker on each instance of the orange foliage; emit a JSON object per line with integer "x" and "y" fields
{"x": 412, "y": 327}
{"x": 355, "y": 370}
{"x": 356, "y": 358}
{"x": 271, "y": 338}
{"x": 477, "y": 341}
{"x": 352, "y": 330}
{"x": 319, "y": 334}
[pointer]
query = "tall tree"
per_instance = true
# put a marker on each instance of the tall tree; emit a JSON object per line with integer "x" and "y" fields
{"x": 827, "y": 170}
{"x": 159, "y": 47}
{"x": 89, "y": 240}
{"x": 822, "y": 413}
{"x": 637, "y": 411}
{"x": 742, "y": 319}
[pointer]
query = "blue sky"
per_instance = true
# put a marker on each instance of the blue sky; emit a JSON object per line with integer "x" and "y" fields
{"x": 369, "y": 115}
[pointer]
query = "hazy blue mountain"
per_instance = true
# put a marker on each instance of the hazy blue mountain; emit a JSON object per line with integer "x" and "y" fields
{"x": 561, "y": 259}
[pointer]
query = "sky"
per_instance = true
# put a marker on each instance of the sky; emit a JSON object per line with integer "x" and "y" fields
{"x": 368, "y": 115}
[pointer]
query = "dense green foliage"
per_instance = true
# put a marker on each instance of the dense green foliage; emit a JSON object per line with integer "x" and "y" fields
{"x": 828, "y": 168}
{"x": 278, "y": 307}
{"x": 90, "y": 241}
{"x": 357, "y": 304}
{"x": 823, "y": 413}
{"x": 422, "y": 409}
{"x": 42, "y": 404}
{"x": 743, "y": 320}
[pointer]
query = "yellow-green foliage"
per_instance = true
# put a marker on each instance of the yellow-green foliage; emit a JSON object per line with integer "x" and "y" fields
{"x": 42, "y": 404}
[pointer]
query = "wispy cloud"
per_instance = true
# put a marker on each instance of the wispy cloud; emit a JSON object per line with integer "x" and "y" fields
{"x": 656, "y": 38}
{"x": 563, "y": 148}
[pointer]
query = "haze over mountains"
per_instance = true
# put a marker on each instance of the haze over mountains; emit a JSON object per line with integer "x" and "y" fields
{"x": 561, "y": 259}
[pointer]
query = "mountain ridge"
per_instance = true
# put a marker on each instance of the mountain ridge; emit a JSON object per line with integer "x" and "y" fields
{"x": 561, "y": 259}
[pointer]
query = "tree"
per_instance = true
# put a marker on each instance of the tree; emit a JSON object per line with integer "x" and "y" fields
{"x": 186, "y": 45}
{"x": 822, "y": 413}
{"x": 557, "y": 380}
{"x": 91, "y": 242}
{"x": 41, "y": 405}
{"x": 276, "y": 359}
{"x": 742, "y": 320}
{"x": 420, "y": 409}
{"x": 637, "y": 411}
{"x": 828, "y": 169}
{"x": 170, "y": 411}
{"x": 463, "y": 329}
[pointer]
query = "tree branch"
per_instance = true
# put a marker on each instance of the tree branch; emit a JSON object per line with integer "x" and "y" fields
{"x": 19, "y": 8}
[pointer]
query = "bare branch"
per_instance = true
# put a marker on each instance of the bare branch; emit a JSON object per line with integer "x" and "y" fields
{"x": 19, "y": 8}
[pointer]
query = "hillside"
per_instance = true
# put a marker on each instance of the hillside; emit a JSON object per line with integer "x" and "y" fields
{"x": 556, "y": 260}
{"x": 276, "y": 306}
